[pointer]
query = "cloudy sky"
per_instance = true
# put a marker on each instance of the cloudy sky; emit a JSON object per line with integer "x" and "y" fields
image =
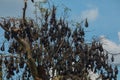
{"x": 103, "y": 17}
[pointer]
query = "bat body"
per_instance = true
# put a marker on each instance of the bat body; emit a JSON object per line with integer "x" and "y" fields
{"x": 32, "y": 1}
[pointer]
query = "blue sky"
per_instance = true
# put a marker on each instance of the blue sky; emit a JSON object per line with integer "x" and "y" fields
{"x": 103, "y": 15}
{"x": 107, "y": 16}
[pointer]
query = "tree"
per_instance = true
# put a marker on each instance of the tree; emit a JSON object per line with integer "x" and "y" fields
{"x": 52, "y": 45}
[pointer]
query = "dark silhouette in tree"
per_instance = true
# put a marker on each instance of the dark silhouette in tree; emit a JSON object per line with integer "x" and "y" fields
{"x": 32, "y": 1}
{"x": 53, "y": 45}
{"x": 2, "y": 47}
{"x": 86, "y": 23}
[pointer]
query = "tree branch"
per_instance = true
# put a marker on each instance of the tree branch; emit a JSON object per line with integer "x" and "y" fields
{"x": 26, "y": 45}
{"x": 59, "y": 46}
{"x": 4, "y": 27}
{"x": 24, "y": 11}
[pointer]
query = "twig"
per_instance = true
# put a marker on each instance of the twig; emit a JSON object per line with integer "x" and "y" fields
{"x": 60, "y": 46}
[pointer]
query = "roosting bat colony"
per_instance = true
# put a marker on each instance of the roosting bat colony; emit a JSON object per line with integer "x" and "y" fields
{"x": 53, "y": 44}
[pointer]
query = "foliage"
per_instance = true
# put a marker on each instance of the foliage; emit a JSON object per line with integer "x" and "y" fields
{"x": 52, "y": 45}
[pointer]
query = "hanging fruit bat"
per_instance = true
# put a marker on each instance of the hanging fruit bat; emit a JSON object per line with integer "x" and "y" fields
{"x": 7, "y": 35}
{"x": 86, "y": 23}
{"x": 32, "y": 1}
{"x": 2, "y": 47}
{"x": 116, "y": 70}
{"x": 112, "y": 58}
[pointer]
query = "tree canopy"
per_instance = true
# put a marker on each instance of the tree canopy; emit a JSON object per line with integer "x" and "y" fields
{"x": 52, "y": 45}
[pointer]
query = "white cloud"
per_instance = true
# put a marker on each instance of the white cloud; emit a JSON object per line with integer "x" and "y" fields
{"x": 111, "y": 47}
{"x": 91, "y": 14}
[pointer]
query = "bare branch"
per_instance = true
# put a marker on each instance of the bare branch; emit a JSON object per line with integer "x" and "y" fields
{"x": 24, "y": 11}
